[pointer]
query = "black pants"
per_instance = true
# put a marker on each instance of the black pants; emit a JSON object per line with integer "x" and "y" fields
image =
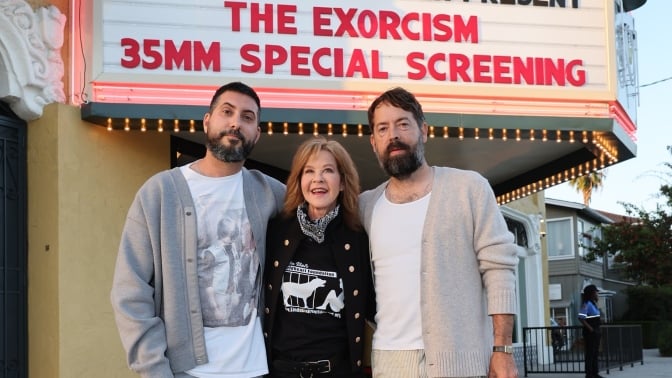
{"x": 340, "y": 369}
{"x": 592, "y": 350}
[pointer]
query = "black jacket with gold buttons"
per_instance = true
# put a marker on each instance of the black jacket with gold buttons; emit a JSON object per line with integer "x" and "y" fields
{"x": 351, "y": 254}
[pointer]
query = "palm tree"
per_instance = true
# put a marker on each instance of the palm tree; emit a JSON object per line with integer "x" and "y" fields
{"x": 586, "y": 184}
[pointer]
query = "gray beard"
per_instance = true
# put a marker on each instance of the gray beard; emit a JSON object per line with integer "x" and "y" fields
{"x": 230, "y": 154}
{"x": 401, "y": 167}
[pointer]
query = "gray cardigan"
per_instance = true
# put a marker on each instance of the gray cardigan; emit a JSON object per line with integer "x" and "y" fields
{"x": 155, "y": 293}
{"x": 468, "y": 268}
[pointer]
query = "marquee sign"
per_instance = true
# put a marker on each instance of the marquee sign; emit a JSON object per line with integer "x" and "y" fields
{"x": 551, "y": 49}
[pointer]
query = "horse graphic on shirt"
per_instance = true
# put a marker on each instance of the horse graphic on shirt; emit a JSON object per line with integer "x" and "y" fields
{"x": 300, "y": 290}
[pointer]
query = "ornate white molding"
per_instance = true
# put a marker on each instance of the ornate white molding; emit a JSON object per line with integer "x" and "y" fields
{"x": 31, "y": 68}
{"x": 531, "y": 222}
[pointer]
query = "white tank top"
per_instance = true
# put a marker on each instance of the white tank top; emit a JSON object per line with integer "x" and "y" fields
{"x": 396, "y": 241}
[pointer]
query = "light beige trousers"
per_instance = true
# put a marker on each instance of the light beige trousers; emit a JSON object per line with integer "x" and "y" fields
{"x": 399, "y": 364}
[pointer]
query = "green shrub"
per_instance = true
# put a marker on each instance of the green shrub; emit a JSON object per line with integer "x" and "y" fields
{"x": 665, "y": 341}
{"x": 649, "y": 303}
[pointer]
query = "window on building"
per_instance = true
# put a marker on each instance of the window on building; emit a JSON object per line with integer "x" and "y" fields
{"x": 560, "y": 315}
{"x": 560, "y": 238}
{"x": 587, "y": 234}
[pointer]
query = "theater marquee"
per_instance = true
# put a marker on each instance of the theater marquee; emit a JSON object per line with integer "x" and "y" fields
{"x": 546, "y": 49}
{"x": 530, "y": 93}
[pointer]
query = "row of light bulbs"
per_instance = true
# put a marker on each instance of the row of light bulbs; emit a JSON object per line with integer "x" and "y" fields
{"x": 558, "y": 178}
{"x": 608, "y": 152}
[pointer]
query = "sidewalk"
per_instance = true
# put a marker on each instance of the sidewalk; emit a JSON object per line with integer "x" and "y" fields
{"x": 654, "y": 366}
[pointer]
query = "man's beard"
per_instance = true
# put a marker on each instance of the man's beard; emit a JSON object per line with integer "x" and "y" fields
{"x": 402, "y": 166}
{"x": 233, "y": 153}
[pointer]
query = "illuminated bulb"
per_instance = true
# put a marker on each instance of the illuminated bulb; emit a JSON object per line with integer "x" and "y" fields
{"x": 445, "y": 132}
{"x": 300, "y": 128}
{"x": 192, "y": 127}
{"x": 431, "y": 131}
{"x": 176, "y": 125}
{"x": 360, "y": 130}
{"x": 517, "y": 135}
{"x": 143, "y": 125}
{"x": 504, "y": 135}
{"x": 491, "y": 134}
{"x": 127, "y": 124}
{"x": 344, "y": 128}
{"x": 159, "y": 128}
{"x": 461, "y": 135}
{"x": 109, "y": 124}
{"x": 544, "y": 135}
{"x": 571, "y": 136}
{"x": 558, "y": 136}
{"x": 285, "y": 128}
{"x": 476, "y": 136}
{"x": 531, "y": 134}
{"x": 270, "y": 128}
{"x": 315, "y": 129}
{"x": 584, "y": 137}
{"x": 330, "y": 129}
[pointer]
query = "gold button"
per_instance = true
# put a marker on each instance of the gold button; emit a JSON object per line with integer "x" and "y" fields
{"x": 351, "y": 268}
{"x": 355, "y": 292}
{"x": 276, "y": 263}
{"x": 357, "y": 339}
{"x": 286, "y": 242}
{"x": 347, "y": 246}
{"x": 357, "y": 315}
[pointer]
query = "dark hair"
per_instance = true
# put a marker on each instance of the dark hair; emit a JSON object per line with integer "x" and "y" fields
{"x": 588, "y": 291}
{"x": 400, "y": 98}
{"x": 239, "y": 87}
{"x": 348, "y": 198}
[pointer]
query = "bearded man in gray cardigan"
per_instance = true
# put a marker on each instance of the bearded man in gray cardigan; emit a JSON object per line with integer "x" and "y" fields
{"x": 187, "y": 283}
{"x": 443, "y": 259}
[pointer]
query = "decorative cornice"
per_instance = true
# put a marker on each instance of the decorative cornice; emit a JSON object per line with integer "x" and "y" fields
{"x": 531, "y": 222}
{"x": 31, "y": 67}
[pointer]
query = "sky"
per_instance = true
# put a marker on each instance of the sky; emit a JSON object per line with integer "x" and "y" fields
{"x": 638, "y": 180}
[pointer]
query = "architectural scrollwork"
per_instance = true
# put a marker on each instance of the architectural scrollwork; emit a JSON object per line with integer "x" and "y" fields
{"x": 31, "y": 67}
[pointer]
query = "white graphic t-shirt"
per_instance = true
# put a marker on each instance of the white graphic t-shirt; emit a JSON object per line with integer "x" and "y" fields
{"x": 228, "y": 278}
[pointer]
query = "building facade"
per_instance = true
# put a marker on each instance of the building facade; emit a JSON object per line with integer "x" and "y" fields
{"x": 98, "y": 96}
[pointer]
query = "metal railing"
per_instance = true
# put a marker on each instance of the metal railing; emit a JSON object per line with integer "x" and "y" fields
{"x": 561, "y": 349}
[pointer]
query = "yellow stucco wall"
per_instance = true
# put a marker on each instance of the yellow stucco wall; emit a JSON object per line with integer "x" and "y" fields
{"x": 81, "y": 180}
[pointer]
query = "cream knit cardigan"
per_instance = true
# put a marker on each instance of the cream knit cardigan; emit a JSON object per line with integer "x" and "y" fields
{"x": 468, "y": 268}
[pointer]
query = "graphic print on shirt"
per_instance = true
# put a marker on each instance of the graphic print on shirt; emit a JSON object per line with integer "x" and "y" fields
{"x": 311, "y": 291}
{"x": 227, "y": 267}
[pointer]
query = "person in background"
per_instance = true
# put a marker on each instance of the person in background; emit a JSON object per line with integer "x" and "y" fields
{"x": 318, "y": 277}
{"x": 443, "y": 259}
{"x": 187, "y": 282}
{"x": 589, "y": 316}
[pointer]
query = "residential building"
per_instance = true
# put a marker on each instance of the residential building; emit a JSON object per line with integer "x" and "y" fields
{"x": 571, "y": 228}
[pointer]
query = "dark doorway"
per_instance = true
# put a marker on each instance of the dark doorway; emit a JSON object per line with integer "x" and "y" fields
{"x": 13, "y": 245}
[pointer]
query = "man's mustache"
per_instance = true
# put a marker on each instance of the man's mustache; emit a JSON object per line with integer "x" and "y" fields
{"x": 397, "y": 145}
{"x": 236, "y": 133}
